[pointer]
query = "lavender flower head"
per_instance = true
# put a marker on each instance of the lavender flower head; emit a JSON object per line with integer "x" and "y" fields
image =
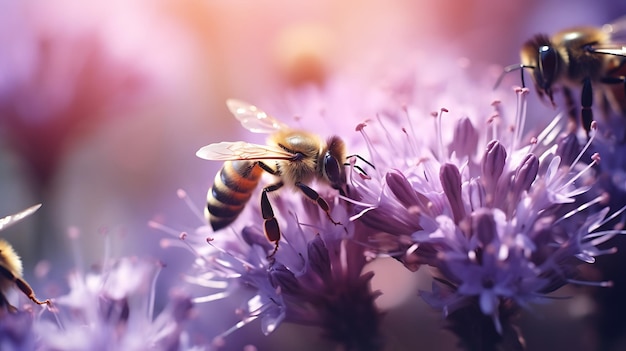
{"x": 112, "y": 308}
{"x": 500, "y": 219}
{"x": 314, "y": 278}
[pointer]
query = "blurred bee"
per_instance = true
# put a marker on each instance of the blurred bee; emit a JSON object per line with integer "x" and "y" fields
{"x": 295, "y": 157}
{"x": 11, "y": 265}
{"x": 579, "y": 57}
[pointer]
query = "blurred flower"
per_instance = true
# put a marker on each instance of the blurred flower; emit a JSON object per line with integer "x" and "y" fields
{"x": 608, "y": 318}
{"x": 16, "y": 331}
{"x": 113, "y": 309}
{"x": 55, "y": 84}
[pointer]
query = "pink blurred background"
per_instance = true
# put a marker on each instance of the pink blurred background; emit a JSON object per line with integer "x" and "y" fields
{"x": 104, "y": 103}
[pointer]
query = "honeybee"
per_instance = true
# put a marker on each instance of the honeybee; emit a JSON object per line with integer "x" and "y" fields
{"x": 579, "y": 57}
{"x": 11, "y": 264}
{"x": 295, "y": 157}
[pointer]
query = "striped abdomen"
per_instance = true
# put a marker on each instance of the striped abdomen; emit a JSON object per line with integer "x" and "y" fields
{"x": 231, "y": 190}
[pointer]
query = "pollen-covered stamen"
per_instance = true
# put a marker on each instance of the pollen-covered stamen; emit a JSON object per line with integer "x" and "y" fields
{"x": 494, "y": 120}
{"x": 520, "y": 115}
{"x": 168, "y": 230}
{"x": 450, "y": 178}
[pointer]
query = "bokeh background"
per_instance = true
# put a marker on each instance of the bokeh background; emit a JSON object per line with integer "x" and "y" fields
{"x": 104, "y": 103}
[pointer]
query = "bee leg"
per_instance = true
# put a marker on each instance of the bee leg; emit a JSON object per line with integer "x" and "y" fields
{"x": 267, "y": 168}
{"x": 22, "y": 285}
{"x": 315, "y": 197}
{"x": 270, "y": 223}
{"x": 586, "y": 100}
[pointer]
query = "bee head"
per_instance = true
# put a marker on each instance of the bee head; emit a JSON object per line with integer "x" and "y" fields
{"x": 332, "y": 164}
{"x": 540, "y": 55}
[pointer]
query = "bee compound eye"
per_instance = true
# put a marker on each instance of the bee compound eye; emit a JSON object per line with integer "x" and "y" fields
{"x": 332, "y": 170}
{"x": 548, "y": 66}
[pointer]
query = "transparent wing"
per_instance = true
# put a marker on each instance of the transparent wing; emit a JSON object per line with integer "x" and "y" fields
{"x": 14, "y": 218}
{"x": 610, "y": 49}
{"x": 240, "y": 150}
{"x": 254, "y": 119}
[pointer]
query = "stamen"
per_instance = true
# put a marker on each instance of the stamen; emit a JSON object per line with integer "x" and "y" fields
{"x": 411, "y": 140}
{"x": 164, "y": 228}
{"x": 602, "y": 284}
{"x": 368, "y": 142}
{"x": 550, "y": 133}
{"x": 207, "y": 283}
{"x": 595, "y": 159}
{"x": 210, "y": 298}
{"x": 586, "y": 205}
{"x": 182, "y": 194}
{"x": 520, "y": 116}
{"x": 438, "y": 129}
{"x": 242, "y": 261}
{"x": 592, "y": 135}
{"x": 152, "y": 296}
{"x": 608, "y": 219}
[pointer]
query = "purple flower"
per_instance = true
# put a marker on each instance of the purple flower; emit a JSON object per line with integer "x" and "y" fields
{"x": 502, "y": 224}
{"x": 113, "y": 309}
{"x": 16, "y": 332}
{"x": 313, "y": 279}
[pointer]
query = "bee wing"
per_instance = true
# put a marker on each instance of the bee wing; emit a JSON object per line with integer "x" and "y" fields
{"x": 240, "y": 150}
{"x": 14, "y": 218}
{"x": 254, "y": 119}
{"x": 610, "y": 49}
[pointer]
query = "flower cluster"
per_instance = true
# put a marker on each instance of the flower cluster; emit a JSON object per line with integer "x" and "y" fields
{"x": 113, "y": 308}
{"x": 502, "y": 223}
{"x": 314, "y": 278}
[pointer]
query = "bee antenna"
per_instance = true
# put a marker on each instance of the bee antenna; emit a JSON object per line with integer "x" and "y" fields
{"x": 511, "y": 68}
{"x": 358, "y": 168}
{"x": 362, "y": 159}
